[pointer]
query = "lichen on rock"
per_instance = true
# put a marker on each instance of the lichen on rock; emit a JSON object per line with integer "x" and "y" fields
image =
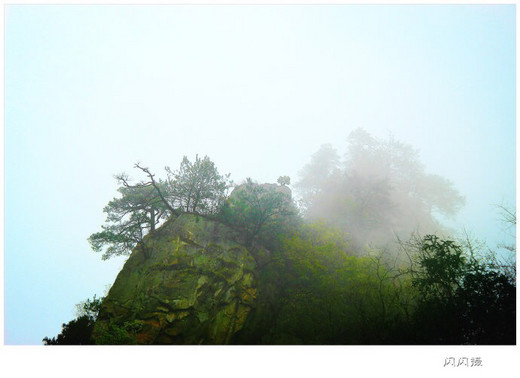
{"x": 196, "y": 287}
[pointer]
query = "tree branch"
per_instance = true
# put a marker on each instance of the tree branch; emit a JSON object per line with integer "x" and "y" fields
{"x": 154, "y": 184}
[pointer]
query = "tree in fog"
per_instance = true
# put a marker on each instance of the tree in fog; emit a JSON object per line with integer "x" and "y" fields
{"x": 284, "y": 180}
{"x": 323, "y": 168}
{"x": 197, "y": 186}
{"x": 379, "y": 189}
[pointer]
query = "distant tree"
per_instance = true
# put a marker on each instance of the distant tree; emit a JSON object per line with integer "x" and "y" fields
{"x": 438, "y": 194}
{"x": 284, "y": 180}
{"x": 380, "y": 189}
{"x": 322, "y": 169}
{"x": 129, "y": 218}
{"x": 197, "y": 186}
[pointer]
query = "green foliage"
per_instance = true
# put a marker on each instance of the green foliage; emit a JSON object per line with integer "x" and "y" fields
{"x": 75, "y": 332}
{"x": 461, "y": 299}
{"x": 129, "y": 218}
{"x": 442, "y": 265}
{"x": 89, "y": 307}
{"x": 348, "y": 299}
{"x": 316, "y": 293}
{"x": 124, "y": 334}
{"x": 260, "y": 212}
{"x": 79, "y": 331}
{"x": 314, "y": 285}
{"x": 197, "y": 187}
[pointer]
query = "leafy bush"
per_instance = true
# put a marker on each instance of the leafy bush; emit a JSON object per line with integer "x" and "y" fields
{"x": 119, "y": 334}
{"x": 79, "y": 331}
{"x": 462, "y": 300}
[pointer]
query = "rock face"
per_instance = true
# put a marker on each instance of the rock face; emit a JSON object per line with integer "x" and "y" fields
{"x": 196, "y": 287}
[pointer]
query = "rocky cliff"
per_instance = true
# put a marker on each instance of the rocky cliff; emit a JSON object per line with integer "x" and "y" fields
{"x": 196, "y": 287}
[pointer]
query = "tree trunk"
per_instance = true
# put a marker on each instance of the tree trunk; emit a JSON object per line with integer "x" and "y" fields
{"x": 152, "y": 220}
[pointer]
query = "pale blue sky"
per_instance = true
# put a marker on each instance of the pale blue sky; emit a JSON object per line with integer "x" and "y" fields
{"x": 90, "y": 90}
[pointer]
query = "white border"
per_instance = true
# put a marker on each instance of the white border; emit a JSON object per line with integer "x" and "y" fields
{"x": 245, "y": 361}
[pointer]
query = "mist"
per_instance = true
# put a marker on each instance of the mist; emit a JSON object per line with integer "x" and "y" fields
{"x": 391, "y": 122}
{"x": 377, "y": 191}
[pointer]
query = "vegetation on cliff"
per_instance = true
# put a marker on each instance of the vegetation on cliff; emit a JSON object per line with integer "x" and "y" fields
{"x": 361, "y": 258}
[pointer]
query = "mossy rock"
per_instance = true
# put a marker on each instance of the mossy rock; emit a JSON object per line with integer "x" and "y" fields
{"x": 196, "y": 287}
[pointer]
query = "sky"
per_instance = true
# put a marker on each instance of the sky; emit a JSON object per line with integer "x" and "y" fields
{"x": 91, "y": 90}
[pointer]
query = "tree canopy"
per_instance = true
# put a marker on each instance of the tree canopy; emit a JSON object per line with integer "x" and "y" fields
{"x": 79, "y": 330}
{"x": 259, "y": 212}
{"x": 129, "y": 218}
{"x": 379, "y": 190}
{"x": 461, "y": 297}
{"x": 195, "y": 187}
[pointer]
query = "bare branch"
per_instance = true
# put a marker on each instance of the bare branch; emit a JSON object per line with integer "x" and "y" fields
{"x": 123, "y": 179}
{"x": 154, "y": 184}
{"x": 507, "y": 215}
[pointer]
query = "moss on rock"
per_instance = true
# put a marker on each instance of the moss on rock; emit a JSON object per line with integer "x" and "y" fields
{"x": 197, "y": 287}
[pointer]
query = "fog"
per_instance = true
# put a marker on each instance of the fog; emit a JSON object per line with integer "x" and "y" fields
{"x": 378, "y": 193}
{"x": 387, "y": 119}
